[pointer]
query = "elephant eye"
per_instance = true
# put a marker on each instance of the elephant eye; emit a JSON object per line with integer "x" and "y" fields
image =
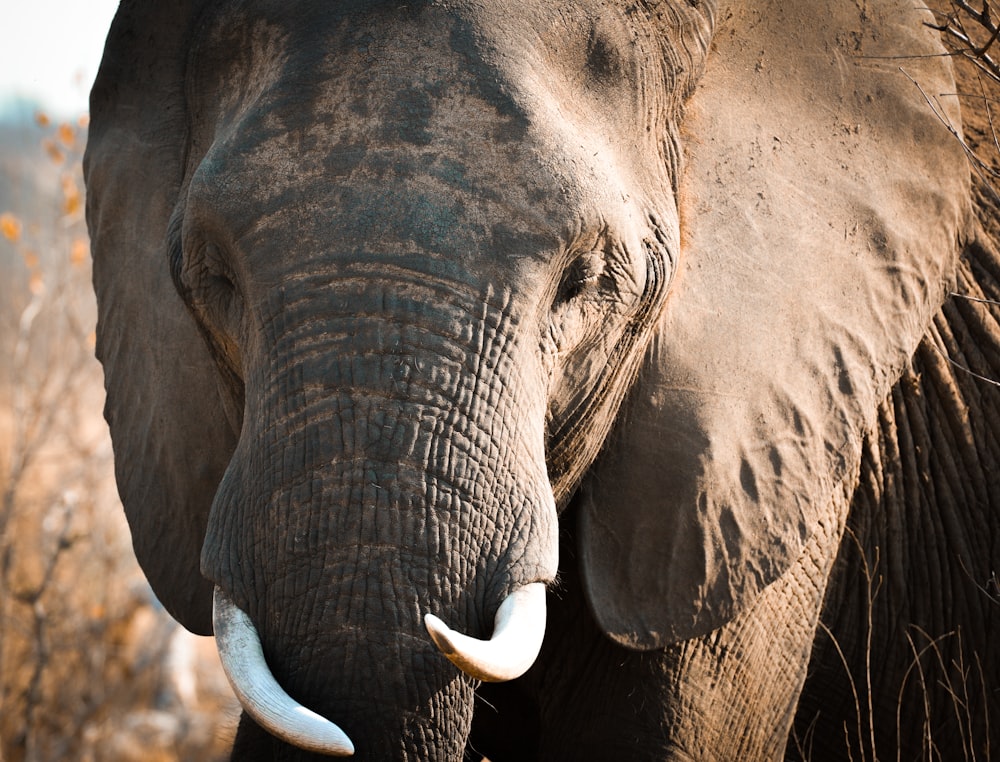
{"x": 215, "y": 264}
{"x": 211, "y": 288}
{"x": 220, "y": 286}
{"x": 213, "y": 277}
{"x": 583, "y": 273}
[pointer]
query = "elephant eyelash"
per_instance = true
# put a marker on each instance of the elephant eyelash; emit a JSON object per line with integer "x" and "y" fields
{"x": 215, "y": 266}
{"x": 175, "y": 249}
{"x": 583, "y": 273}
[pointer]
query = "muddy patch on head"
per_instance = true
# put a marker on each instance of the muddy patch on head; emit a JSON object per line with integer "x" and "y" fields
{"x": 410, "y": 116}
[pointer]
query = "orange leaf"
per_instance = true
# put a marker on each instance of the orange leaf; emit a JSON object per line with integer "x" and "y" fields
{"x": 42, "y": 119}
{"x": 78, "y": 251}
{"x": 83, "y": 122}
{"x": 10, "y": 226}
{"x": 72, "y": 204}
{"x": 36, "y": 285}
{"x": 66, "y": 135}
{"x": 57, "y": 156}
{"x": 31, "y": 260}
{"x": 71, "y": 194}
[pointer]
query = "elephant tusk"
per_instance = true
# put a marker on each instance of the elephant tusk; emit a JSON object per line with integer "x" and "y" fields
{"x": 263, "y": 699}
{"x": 519, "y": 627}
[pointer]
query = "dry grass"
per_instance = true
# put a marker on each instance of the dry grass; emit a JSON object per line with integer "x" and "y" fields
{"x": 947, "y": 675}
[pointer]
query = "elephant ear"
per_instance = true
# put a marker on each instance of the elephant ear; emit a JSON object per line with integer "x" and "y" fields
{"x": 821, "y": 209}
{"x": 171, "y": 437}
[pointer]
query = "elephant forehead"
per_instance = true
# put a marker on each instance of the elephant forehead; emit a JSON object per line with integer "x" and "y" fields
{"x": 470, "y": 109}
{"x": 423, "y": 211}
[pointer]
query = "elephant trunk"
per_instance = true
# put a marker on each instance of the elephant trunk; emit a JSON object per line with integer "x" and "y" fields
{"x": 384, "y": 473}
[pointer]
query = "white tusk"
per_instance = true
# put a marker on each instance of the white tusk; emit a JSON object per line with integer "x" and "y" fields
{"x": 518, "y": 630}
{"x": 259, "y": 693}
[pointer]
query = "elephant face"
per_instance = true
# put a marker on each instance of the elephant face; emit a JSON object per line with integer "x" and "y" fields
{"x": 383, "y": 286}
{"x": 404, "y": 320}
{"x": 558, "y": 235}
{"x": 424, "y": 255}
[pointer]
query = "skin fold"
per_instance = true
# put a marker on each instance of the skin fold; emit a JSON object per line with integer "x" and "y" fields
{"x": 404, "y": 307}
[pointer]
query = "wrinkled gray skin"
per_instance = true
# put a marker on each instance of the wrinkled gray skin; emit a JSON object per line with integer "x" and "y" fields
{"x": 406, "y": 305}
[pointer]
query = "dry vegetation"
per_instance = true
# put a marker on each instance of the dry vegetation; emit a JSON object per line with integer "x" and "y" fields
{"x": 971, "y": 32}
{"x": 91, "y": 668}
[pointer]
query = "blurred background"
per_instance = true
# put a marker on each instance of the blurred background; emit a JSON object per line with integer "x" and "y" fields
{"x": 91, "y": 667}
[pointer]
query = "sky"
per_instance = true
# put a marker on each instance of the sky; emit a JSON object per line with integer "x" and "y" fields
{"x": 50, "y": 52}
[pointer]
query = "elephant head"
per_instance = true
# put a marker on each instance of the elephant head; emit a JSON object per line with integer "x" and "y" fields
{"x": 376, "y": 282}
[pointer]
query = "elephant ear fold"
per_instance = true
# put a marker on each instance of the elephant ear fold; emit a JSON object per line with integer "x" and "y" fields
{"x": 821, "y": 210}
{"x": 171, "y": 438}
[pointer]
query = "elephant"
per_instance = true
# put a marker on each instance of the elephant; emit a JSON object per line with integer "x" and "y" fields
{"x": 601, "y": 380}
